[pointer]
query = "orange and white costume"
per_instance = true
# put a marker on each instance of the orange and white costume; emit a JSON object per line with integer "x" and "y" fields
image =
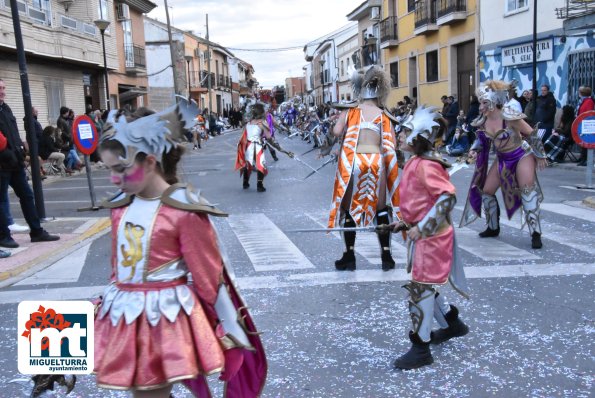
{"x": 365, "y": 171}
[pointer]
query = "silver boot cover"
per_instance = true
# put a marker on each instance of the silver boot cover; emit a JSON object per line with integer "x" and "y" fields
{"x": 421, "y": 308}
{"x": 531, "y": 198}
{"x": 441, "y": 308}
{"x": 490, "y": 208}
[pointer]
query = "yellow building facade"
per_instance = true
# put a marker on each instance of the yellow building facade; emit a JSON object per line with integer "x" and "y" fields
{"x": 429, "y": 48}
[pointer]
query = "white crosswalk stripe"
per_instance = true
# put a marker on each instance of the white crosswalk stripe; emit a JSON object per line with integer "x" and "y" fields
{"x": 269, "y": 249}
{"x": 267, "y": 246}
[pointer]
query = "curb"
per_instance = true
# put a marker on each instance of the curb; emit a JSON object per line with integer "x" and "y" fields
{"x": 589, "y": 201}
{"x": 46, "y": 259}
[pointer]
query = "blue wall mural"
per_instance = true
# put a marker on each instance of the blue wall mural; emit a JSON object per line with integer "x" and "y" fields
{"x": 554, "y": 72}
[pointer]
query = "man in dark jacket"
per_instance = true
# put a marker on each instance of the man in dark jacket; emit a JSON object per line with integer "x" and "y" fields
{"x": 451, "y": 117}
{"x": 545, "y": 109}
{"x": 12, "y": 172}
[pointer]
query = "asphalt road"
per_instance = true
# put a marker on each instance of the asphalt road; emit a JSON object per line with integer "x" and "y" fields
{"x": 331, "y": 334}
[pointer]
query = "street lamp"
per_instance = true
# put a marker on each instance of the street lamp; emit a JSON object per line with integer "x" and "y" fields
{"x": 102, "y": 25}
{"x": 188, "y": 59}
{"x": 322, "y": 61}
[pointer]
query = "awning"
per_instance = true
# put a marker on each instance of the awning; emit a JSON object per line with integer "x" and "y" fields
{"x": 132, "y": 93}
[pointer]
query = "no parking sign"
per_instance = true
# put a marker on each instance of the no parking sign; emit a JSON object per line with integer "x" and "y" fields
{"x": 583, "y": 130}
{"x": 84, "y": 134}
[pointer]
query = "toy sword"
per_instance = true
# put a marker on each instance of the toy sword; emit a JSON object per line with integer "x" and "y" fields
{"x": 331, "y": 159}
{"x": 373, "y": 228}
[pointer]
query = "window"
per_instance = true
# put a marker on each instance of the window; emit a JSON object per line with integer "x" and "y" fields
{"x": 394, "y": 74}
{"x": 54, "y": 91}
{"x": 347, "y": 65}
{"x": 103, "y": 9}
{"x": 128, "y": 47}
{"x": 516, "y": 5}
{"x": 411, "y": 5}
{"x": 432, "y": 66}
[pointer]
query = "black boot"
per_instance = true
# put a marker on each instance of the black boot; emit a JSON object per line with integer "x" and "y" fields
{"x": 347, "y": 262}
{"x": 259, "y": 185}
{"x": 490, "y": 233}
{"x": 384, "y": 239}
{"x": 418, "y": 355}
{"x": 246, "y": 183}
{"x": 456, "y": 327}
{"x": 536, "y": 240}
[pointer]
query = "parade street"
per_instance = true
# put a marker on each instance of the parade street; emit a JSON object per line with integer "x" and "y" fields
{"x": 336, "y": 334}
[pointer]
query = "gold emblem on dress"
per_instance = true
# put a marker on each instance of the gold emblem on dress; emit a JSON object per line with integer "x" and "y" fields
{"x": 131, "y": 257}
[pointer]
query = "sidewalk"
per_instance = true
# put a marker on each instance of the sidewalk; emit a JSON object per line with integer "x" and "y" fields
{"x": 30, "y": 257}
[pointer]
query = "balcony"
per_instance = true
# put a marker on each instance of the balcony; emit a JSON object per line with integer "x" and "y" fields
{"x": 135, "y": 59}
{"x": 451, "y": 11}
{"x": 204, "y": 81}
{"x": 425, "y": 17}
{"x": 196, "y": 80}
{"x": 388, "y": 33}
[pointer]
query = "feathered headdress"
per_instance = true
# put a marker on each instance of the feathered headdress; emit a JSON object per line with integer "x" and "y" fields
{"x": 422, "y": 123}
{"x": 154, "y": 134}
{"x": 371, "y": 83}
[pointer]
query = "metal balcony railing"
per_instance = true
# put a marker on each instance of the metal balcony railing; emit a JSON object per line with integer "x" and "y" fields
{"x": 134, "y": 56}
{"x": 446, "y": 7}
{"x": 204, "y": 81}
{"x": 575, "y": 9}
{"x": 425, "y": 12}
{"x": 388, "y": 29}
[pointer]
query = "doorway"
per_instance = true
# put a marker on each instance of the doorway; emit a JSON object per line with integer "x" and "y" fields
{"x": 413, "y": 79}
{"x": 465, "y": 73}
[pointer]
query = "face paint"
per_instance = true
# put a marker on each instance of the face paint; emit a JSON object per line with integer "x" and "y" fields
{"x": 136, "y": 176}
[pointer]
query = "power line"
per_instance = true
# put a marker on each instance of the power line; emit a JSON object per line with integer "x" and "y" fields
{"x": 311, "y": 43}
{"x": 266, "y": 50}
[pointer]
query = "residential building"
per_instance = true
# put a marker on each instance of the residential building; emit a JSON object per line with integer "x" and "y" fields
{"x": 565, "y": 57}
{"x": 248, "y": 83}
{"x": 294, "y": 86}
{"x": 347, "y": 52}
{"x": 64, "y": 56}
{"x": 194, "y": 57}
{"x": 128, "y": 85}
{"x": 429, "y": 49}
{"x": 323, "y": 70}
{"x": 159, "y": 61}
{"x": 367, "y": 15}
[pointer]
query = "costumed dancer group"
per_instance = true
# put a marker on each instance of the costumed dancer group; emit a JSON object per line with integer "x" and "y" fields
{"x": 419, "y": 201}
{"x": 171, "y": 312}
{"x": 368, "y": 190}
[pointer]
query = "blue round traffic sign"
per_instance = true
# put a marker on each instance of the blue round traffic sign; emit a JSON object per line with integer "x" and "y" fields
{"x": 84, "y": 134}
{"x": 583, "y": 129}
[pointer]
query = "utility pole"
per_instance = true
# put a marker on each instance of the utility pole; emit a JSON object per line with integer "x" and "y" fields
{"x": 29, "y": 125}
{"x": 173, "y": 53}
{"x": 534, "y": 88}
{"x": 209, "y": 67}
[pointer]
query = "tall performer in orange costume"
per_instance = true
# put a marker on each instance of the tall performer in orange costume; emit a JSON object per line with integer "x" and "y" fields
{"x": 427, "y": 199}
{"x": 170, "y": 313}
{"x": 367, "y": 174}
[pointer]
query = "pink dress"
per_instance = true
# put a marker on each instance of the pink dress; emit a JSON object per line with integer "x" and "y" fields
{"x": 158, "y": 322}
{"x": 430, "y": 258}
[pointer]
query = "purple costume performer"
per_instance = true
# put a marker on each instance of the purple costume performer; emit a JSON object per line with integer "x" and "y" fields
{"x": 510, "y": 148}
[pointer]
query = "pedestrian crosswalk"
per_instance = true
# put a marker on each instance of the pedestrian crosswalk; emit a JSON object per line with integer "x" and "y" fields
{"x": 264, "y": 256}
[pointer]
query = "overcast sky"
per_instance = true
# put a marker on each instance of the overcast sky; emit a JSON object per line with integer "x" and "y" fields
{"x": 261, "y": 24}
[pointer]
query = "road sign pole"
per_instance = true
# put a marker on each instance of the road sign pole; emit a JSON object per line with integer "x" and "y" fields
{"x": 90, "y": 181}
{"x": 85, "y": 139}
{"x": 589, "y": 180}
